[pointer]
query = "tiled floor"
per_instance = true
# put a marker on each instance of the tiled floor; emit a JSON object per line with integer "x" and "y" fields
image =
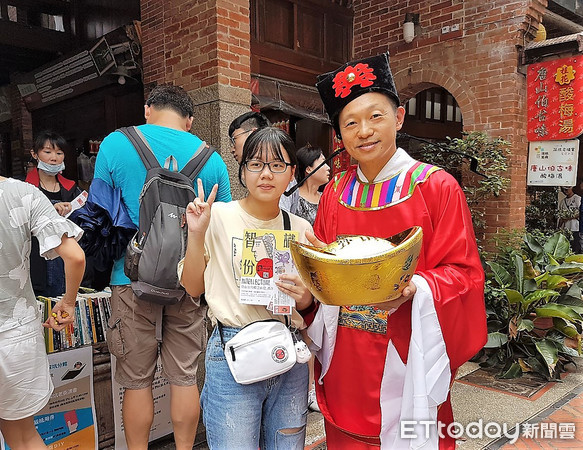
{"x": 562, "y": 429}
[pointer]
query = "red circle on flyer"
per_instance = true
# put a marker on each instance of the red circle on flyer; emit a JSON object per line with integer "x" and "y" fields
{"x": 265, "y": 268}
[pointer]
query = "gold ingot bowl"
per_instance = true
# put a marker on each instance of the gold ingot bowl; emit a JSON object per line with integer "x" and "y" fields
{"x": 359, "y": 270}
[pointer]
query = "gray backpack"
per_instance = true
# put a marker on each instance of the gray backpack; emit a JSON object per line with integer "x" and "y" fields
{"x": 160, "y": 242}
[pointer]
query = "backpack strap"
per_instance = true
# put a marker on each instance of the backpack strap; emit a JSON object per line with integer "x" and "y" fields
{"x": 171, "y": 164}
{"x": 139, "y": 142}
{"x": 286, "y": 220}
{"x": 197, "y": 162}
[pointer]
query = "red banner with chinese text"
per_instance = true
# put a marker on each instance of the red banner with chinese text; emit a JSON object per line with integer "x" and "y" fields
{"x": 555, "y": 99}
{"x": 340, "y": 162}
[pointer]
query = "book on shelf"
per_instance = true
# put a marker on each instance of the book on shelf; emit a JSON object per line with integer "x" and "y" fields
{"x": 92, "y": 312}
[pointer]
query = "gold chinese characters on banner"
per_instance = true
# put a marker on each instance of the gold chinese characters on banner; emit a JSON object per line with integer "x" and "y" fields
{"x": 554, "y": 97}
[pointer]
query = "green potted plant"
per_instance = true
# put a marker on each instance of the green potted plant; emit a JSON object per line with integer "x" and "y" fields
{"x": 492, "y": 155}
{"x": 527, "y": 286}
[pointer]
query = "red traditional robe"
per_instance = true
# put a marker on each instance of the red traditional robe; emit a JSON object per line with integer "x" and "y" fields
{"x": 415, "y": 194}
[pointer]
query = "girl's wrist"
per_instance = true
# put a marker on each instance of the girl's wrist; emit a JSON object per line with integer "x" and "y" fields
{"x": 69, "y": 300}
{"x": 196, "y": 236}
{"x": 310, "y": 307}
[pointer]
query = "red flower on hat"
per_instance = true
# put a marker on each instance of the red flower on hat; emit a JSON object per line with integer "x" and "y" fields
{"x": 361, "y": 75}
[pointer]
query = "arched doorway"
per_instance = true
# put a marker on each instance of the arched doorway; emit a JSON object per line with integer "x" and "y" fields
{"x": 433, "y": 114}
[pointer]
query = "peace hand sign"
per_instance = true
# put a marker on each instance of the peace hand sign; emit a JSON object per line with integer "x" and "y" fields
{"x": 198, "y": 212}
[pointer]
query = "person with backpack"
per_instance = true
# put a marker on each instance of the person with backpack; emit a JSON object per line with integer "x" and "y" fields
{"x": 268, "y": 411}
{"x": 142, "y": 326}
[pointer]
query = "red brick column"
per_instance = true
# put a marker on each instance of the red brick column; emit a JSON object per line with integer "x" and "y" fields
{"x": 477, "y": 63}
{"x": 203, "y": 46}
{"x": 196, "y": 43}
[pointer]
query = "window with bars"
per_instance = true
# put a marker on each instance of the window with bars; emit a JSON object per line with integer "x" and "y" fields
{"x": 434, "y": 105}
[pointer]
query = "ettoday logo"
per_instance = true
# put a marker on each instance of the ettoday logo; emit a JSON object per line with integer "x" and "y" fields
{"x": 412, "y": 429}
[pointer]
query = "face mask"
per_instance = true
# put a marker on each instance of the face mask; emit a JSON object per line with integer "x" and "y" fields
{"x": 51, "y": 169}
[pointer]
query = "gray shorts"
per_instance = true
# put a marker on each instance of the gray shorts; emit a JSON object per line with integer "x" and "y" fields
{"x": 131, "y": 338}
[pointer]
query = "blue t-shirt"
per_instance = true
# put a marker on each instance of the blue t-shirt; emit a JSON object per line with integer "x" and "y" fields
{"x": 119, "y": 165}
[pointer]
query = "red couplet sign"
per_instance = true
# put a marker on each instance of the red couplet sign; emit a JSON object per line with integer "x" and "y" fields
{"x": 555, "y": 99}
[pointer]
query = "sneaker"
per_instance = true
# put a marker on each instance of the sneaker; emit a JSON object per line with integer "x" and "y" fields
{"x": 312, "y": 402}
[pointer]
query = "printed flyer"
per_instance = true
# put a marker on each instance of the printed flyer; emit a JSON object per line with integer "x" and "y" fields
{"x": 68, "y": 420}
{"x": 265, "y": 257}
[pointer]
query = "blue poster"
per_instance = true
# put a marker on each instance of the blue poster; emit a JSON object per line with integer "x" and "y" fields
{"x": 68, "y": 420}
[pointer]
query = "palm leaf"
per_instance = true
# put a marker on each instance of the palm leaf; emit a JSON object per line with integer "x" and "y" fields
{"x": 519, "y": 272}
{"x": 556, "y": 282}
{"x": 533, "y": 244}
{"x": 557, "y": 246}
{"x": 513, "y": 296}
{"x": 574, "y": 258}
{"x": 556, "y": 310}
{"x": 566, "y": 328}
{"x": 549, "y": 353}
{"x": 496, "y": 339}
{"x": 501, "y": 275}
{"x": 575, "y": 303}
{"x": 566, "y": 269}
{"x": 526, "y": 325}
{"x": 539, "y": 294}
{"x": 514, "y": 371}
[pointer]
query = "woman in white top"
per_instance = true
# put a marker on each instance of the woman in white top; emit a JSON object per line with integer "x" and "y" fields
{"x": 267, "y": 414}
{"x": 25, "y": 382}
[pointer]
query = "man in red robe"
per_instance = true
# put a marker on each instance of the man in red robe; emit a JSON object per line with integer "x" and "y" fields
{"x": 385, "y": 370}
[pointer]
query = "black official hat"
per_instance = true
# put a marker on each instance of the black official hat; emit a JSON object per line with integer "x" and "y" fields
{"x": 353, "y": 79}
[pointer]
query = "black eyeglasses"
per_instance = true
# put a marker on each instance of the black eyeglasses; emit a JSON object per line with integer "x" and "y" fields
{"x": 255, "y": 165}
{"x": 232, "y": 138}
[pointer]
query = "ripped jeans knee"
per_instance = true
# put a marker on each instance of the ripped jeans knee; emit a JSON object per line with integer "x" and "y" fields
{"x": 291, "y": 438}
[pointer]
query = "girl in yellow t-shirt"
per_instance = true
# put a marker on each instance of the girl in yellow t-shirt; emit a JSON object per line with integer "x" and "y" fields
{"x": 272, "y": 413}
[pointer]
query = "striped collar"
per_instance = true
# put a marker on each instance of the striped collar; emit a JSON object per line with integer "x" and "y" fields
{"x": 396, "y": 183}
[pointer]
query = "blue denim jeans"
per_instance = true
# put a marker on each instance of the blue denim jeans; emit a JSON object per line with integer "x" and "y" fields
{"x": 251, "y": 416}
{"x": 55, "y": 278}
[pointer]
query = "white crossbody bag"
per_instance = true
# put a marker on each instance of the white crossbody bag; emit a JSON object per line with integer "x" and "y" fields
{"x": 261, "y": 350}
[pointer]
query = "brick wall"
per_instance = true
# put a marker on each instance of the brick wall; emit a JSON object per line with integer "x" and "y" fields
{"x": 478, "y": 64}
{"x": 195, "y": 44}
{"x": 203, "y": 46}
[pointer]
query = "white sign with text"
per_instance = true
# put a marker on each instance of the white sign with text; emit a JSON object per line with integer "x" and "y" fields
{"x": 553, "y": 163}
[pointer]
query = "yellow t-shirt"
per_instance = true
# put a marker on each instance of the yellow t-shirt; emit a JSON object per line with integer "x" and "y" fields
{"x": 223, "y": 245}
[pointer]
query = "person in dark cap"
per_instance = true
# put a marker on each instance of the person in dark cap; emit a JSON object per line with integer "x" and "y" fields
{"x": 384, "y": 371}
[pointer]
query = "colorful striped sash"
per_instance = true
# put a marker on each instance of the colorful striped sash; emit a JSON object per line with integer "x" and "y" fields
{"x": 365, "y": 196}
